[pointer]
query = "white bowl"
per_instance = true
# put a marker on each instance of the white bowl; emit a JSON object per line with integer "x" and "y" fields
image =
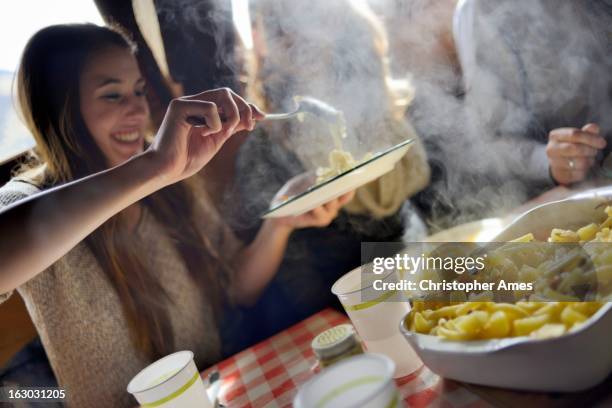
{"x": 572, "y": 362}
{"x": 304, "y": 195}
{"x": 571, "y": 213}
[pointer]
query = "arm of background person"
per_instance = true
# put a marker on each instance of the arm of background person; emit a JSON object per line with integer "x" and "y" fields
{"x": 259, "y": 262}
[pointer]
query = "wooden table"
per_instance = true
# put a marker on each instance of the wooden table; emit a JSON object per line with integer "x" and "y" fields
{"x": 269, "y": 373}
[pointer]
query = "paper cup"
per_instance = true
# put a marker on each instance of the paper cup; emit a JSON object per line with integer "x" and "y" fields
{"x": 364, "y": 381}
{"x": 377, "y": 321}
{"x": 171, "y": 382}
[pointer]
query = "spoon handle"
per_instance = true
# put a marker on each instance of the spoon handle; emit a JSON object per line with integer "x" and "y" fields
{"x": 201, "y": 122}
{"x": 280, "y": 116}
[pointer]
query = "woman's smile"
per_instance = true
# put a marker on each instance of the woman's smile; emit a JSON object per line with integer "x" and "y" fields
{"x": 114, "y": 105}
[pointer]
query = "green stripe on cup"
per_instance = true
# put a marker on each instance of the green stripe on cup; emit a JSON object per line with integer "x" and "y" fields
{"x": 394, "y": 402}
{"x": 346, "y": 387}
{"x": 175, "y": 394}
{"x": 366, "y": 305}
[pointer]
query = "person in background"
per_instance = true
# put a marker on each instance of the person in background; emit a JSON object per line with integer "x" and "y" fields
{"x": 538, "y": 79}
{"x": 422, "y": 48}
{"x": 421, "y": 43}
{"x": 335, "y": 52}
{"x": 108, "y": 234}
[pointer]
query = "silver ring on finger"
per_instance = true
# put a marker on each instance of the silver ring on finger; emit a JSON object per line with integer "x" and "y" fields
{"x": 571, "y": 163}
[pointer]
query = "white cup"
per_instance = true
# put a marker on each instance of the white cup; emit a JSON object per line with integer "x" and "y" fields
{"x": 171, "y": 382}
{"x": 377, "y": 322}
{"x": 363, "y": 381}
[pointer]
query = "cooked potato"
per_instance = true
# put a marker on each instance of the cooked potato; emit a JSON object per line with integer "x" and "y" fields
{"x": 555, "y": 276}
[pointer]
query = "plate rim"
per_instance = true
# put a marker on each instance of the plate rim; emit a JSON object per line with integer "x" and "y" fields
{"x": 332, "y": 179}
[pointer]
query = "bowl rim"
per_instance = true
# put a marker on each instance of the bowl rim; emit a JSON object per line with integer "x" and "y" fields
{"x": 491, "y": 346}
{"x": 599, "y": 195}
{"x": 359, "y": 166}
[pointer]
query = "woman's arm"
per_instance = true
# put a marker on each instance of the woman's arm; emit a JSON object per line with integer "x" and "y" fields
{"x": 259, "y": 261}
{"x": 38, "y": 231}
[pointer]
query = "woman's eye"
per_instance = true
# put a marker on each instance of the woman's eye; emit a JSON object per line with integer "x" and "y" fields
{"x": 112, "y": 97}
{"x": 141, "y": 92}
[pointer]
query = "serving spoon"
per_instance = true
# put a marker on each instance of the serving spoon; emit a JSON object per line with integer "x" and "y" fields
{"x": 312, "y": 106}
{"x": 304, "y": 105}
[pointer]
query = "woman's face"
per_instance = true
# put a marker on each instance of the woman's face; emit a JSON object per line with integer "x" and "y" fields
{"x": 113, "y": 103}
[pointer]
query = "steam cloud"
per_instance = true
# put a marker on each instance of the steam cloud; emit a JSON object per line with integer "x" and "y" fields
{"x": 481, "y": 142}
{"x": 317, "y": 48}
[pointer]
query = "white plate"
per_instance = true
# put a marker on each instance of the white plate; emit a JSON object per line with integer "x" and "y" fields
{"x": 304, "y": 195}
{"x": 572, "y": 362}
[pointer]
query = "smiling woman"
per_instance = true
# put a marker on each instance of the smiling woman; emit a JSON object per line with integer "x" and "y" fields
{"x": 113, "y": 104}
{"x": 104, "y": 228}
{"x": 86, "y": 108}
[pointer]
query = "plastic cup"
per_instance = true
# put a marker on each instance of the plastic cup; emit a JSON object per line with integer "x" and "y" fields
{"x": 377, "y": 322}
{"x": 171, "y": 382}
{"x": 364, "y": 381}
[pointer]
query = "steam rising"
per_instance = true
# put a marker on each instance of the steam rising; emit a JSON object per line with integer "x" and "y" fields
{"x": 479, "y": 144}
{"x": 330, "y": 51}
{"x": 192, "y": 18}
{"x": 533, "y": 66}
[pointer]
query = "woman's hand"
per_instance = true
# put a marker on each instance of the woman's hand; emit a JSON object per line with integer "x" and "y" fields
{"x": 195, "y": 128}
{"x": 571, "y": 152}
{"x": 319, "y": 217}
{"x": 51, "y": 223}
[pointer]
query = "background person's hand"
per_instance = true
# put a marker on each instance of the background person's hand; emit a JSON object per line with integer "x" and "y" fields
{"x": 571, "y": 152}
{"x": 319, "y": 217}
{"x": 181, "y": 148}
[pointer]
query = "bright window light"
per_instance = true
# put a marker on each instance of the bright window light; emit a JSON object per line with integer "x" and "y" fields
{"x": 19, "y": 20}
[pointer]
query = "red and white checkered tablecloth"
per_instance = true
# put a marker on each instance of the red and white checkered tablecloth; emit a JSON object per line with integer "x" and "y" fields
{"x": 269, "y": 373}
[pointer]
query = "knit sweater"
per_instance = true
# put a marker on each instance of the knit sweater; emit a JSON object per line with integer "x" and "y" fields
{"x": 81, "y": 322}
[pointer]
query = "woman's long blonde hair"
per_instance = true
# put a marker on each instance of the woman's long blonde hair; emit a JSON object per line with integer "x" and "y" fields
{"x": 48, "y": 96}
